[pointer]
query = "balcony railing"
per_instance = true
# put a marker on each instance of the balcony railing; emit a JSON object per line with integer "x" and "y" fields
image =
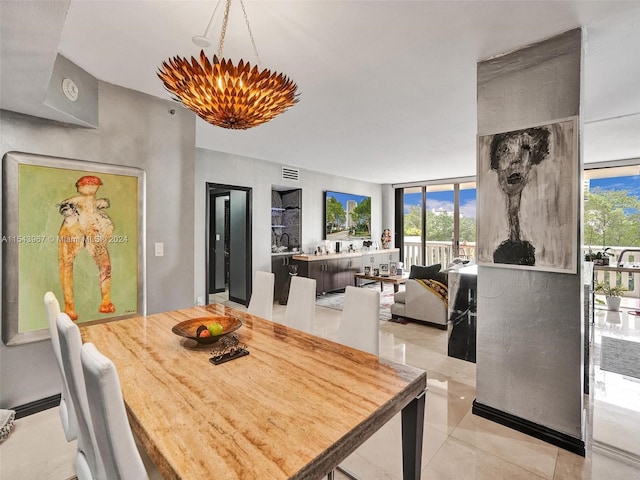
{"x": 437, "y": 252}
{"x": 442, "y": 253}
{"x": 629, "y": 280}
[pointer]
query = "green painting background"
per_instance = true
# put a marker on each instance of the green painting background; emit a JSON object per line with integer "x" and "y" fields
{"x": 40, "y": 189}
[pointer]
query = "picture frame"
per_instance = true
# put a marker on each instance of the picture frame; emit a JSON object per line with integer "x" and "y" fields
{"x": 75, "y": 228}
{"x": 384, "y": 269}
{"x": 376, "y": 272}
{"x": 393, "y": 268}
{"x": 367, "y": 270}
{"x": 527, "y": 217}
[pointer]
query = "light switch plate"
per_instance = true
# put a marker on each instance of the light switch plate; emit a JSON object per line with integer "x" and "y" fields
{"x": 159, "y": 249}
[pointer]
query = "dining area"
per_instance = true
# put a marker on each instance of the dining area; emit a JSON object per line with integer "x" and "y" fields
{"x": 258, "y": 399}
{"x": 295, "y": 407}
{"x": 455, "y": 443}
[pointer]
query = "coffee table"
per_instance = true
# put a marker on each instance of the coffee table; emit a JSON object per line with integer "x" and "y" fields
{"x": 396, "y": 280}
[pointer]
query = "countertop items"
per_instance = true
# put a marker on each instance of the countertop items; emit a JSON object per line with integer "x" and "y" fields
{"x": 310, "y": 257}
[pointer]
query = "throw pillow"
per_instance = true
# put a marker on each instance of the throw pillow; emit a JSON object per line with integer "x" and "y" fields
{"x": 442, "y": 277}
{"x": 419, "y": 271}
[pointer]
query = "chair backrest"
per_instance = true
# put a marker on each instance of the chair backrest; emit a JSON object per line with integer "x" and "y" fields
{"x": 115, "y": 440}
{"x": 88, "y": 462}
{"x": 67, "y": 413}
{"x": 301, "y": 304}
{"x": 360, "y": 320}
{"x": 261, "y": 303}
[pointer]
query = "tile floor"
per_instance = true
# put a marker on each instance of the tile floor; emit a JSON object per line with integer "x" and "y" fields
{"x": 457, "y": 444}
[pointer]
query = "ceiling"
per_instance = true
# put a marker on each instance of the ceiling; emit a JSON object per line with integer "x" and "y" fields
{"x": 388, "y": 88}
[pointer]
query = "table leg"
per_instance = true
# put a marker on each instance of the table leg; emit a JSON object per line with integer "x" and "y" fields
{"x": 395, "y": 288}
{"x": 382, "y": 286}
{"x": 412, "y": 436}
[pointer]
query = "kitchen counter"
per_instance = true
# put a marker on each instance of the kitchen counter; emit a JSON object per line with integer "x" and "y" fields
{"x": 310, "y": 257}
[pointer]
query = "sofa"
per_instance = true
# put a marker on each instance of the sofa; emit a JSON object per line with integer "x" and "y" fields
{"x": 424, "y": 298}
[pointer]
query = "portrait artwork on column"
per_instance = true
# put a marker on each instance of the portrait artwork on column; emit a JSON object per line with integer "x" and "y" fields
{"x": 528, "y": 182}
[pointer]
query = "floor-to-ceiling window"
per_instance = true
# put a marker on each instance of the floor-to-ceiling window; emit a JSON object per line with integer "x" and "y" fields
{"x": 439, "y": 221}
{"x": 612, "y": 221}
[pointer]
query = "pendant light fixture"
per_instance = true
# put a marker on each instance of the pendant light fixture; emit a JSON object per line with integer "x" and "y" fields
{"x": 223, "y": 93}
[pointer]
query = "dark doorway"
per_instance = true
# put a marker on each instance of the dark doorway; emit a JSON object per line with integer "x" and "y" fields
{"x": 229, "y": 241}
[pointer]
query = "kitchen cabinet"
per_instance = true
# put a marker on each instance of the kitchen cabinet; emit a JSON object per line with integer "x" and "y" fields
{"x": 330, "y": 274}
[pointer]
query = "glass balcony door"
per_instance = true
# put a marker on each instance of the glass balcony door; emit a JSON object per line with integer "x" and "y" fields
{"x": 438, "y": 223}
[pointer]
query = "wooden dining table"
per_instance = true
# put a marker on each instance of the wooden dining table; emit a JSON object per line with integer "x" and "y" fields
{"x": 293, "y": 408}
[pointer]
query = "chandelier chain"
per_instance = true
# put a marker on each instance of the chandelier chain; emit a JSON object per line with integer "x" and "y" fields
{"x": 253, "y": 42}
{"x": 223, "y": 32}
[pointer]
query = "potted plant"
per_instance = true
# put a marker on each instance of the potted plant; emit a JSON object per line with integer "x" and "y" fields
{"x": 612, "y": 294}
{"x": 599, "y": 258}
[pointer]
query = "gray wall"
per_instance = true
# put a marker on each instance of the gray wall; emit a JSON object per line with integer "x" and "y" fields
{"x": 529, "y": 337}
{"x": 135, "y": 130}
{"x": 228, "y": 169}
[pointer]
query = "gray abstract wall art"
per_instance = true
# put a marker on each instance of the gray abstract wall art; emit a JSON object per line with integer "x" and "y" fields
{"x": 528, "y": 181}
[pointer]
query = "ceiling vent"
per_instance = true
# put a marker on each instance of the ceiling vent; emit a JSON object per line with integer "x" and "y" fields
{"x": 289, "y": 173}
{"x": 73, "y": 92}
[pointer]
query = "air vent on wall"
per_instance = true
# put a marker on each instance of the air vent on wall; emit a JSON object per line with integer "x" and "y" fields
{"x": 289, "y": 173}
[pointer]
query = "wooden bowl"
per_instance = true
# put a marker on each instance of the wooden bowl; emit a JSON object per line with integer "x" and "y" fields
{"x": 189, "y": 328}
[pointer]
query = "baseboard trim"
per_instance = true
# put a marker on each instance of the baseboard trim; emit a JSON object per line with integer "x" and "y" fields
{"x": 37, "y": 406}
{"x": 395, "y": 316}
{"x": 614, "y": 452}
{"x": 559, "y": 439}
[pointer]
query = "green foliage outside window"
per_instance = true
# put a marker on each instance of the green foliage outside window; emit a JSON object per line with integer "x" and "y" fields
{"x": 439, "y": 226}
{"x": 611, "y": 218}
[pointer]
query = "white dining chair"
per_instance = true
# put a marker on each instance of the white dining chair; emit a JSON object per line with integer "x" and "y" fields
{"x": 261, "y": 303}
{"x": 359, "y": 328}
{"x": 66, "y": 410}
{"x": 301, "y": 304}
{"x": 88, "y": 462}
{"x": 116, "y": 443}
{"x": 360, "y": 319}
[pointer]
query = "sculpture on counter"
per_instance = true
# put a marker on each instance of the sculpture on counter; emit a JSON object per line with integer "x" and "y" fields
{"x": 386, "y": 238}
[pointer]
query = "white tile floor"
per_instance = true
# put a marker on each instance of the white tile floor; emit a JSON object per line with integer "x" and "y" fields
{"x": 457, "y": 444}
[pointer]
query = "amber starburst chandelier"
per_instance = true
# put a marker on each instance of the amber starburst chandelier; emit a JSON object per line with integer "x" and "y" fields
{"x": 223, "y": 93}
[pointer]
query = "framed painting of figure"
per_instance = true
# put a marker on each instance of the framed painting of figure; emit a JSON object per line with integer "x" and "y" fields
{"x": 75, "y": 228}
{"x": 528, "y": 200}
